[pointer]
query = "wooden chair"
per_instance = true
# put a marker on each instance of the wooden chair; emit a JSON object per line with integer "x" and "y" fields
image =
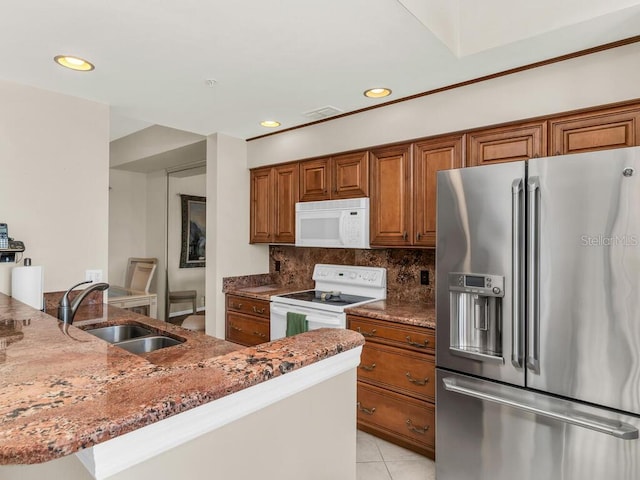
{"x": 140, "y": 273}
{"x": 180, "y": 296}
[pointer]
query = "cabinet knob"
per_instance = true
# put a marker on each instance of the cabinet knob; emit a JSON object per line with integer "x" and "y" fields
{"x": 418, "y": 236}
{"x": 404, "y": 235}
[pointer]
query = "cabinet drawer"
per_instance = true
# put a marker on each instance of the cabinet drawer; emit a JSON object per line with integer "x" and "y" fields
{"x": 399, "y": 335}
{"x": 246, "y": 330}
{"x": 400, "y": 417}
{"x": 397, "y": 369}
{"x": 250, "y": 306}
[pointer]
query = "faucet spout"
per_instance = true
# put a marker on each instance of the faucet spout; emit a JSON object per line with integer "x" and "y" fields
{"x": 67, "y": 310}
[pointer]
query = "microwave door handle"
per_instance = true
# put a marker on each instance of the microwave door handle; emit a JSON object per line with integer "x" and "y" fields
{"x": 341, "y": 226}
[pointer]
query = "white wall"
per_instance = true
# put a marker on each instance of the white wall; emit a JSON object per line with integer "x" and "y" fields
{"x": 127, "y": 221}
{"x": 54, "y": 152}
{"x": 228, "y": 217}
{"x": 596, "y": 79}
{"x": 183, "y": 278}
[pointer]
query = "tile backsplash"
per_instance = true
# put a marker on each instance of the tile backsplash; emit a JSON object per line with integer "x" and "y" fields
{"x": 403, "y": 267}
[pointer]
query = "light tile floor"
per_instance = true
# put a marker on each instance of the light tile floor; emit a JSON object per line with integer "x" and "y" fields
{"x": 378, "y": 459}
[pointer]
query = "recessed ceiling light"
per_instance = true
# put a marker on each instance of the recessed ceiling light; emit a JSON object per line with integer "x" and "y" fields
{"x": 74, "y": 63}
{"x": 377, "y": 92}
{"x": 270, "y": 123}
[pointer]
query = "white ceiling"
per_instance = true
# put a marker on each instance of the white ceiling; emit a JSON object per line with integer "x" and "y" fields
{"x": 283, "y": 58}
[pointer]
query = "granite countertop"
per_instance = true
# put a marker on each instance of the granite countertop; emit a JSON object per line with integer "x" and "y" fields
{"x": 262, "y": 292}
{"x": 419, "y": 314}
{"x": 60, "y": 393}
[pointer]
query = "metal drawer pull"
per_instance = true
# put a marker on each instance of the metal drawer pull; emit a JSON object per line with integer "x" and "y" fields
{"x": 368, "y": 368}
{"x": 261, "y": 335}
{"x": 372, "y": 333}
{"x": 236, "y": 305}
{"x": 366, "y": 410}
{"x": 415, "y": 344}
{"x": 417, "y": 382}
{"x": 420, "y": 430}
{"x": 233, "y": 327}
{"x": 258, "y": 311}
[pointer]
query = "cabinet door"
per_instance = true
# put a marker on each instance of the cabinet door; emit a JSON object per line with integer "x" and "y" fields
{"x": 585, "y": 132}
{"x": 430, "y": 157}
{"x": 507, "y": 144}
{"x": 400, "y": 419}
{"x": 314, "y": 180}
{"x": 246, "y": 330}
{"x": 286, "y": 196}
{"x": 390, "y": 185}
{"x": 261, "y": 216}
{"x": 350, "y": 175}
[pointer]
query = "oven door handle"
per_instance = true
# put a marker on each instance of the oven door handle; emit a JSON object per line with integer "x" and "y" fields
{"x": 283, "y": 309}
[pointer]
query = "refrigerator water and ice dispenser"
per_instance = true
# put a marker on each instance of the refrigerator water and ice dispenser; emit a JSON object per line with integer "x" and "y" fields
{"x": 476, "y": 316}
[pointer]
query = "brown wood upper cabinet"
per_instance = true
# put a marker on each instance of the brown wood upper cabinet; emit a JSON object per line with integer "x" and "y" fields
{"x": 274, "y": 193}
{"x": 331, "y": 178}
{"x": 507, "y": 143}
{"x": 599, "y": 130}
{"x": 403, "y": 190}
{"x": 429, "y": 158}
{"x": 391, "y": 196}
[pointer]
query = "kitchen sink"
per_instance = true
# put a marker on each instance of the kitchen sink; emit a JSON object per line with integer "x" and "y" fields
{"x": 119, "y": 333}
{"x": 148, "y": 344}
{"x": 134, "y": 338}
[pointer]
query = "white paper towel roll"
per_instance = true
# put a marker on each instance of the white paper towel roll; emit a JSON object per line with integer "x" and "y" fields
{"x": 27, "y": 284}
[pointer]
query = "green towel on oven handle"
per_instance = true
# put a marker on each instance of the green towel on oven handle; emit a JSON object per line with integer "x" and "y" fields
{"x": 296, "y": 323}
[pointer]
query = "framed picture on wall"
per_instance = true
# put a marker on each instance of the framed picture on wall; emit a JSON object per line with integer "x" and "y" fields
{"x": 194, "y": 231}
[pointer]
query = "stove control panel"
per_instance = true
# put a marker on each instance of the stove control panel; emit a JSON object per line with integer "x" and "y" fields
{"x": 350, "y": 275}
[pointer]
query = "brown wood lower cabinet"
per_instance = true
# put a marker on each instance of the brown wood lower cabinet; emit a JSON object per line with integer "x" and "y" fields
{"x": 397, "y": 418}
{"x": 396, "y": 383}
{"x": 247, "y": 320}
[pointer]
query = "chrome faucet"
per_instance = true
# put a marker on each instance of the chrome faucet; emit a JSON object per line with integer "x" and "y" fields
{"x": 66, "y": 310}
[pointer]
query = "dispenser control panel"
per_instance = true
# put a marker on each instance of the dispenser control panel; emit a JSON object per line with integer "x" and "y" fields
{"x": 480, "y": 284}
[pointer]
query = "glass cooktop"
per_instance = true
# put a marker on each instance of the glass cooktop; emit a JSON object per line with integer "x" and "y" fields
{"x": 330, "y": 297}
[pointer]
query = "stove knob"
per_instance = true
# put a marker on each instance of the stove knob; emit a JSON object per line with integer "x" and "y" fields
{"x": 352, "y": 275}
{"x": 496, "y": 290}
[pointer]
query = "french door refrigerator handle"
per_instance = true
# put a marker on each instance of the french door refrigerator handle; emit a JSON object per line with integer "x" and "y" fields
{"x": 533, "y": 314}
{"x": 516, "y": 254}
{"x": 593, "y": 422}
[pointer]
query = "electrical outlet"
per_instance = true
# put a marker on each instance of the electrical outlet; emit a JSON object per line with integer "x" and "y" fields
{"x": 424, "y": 277}
{"x": 277, "y": 268}
{"x": 93, "y": 275}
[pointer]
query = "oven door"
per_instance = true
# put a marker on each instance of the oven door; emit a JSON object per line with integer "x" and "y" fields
{"x": 316, "y": 318}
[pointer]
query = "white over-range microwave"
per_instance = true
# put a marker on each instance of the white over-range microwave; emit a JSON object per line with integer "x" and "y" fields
{"x": 333, "y": 223}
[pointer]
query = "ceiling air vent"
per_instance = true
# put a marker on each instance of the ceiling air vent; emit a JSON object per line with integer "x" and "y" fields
{"x": 322, "y": 112}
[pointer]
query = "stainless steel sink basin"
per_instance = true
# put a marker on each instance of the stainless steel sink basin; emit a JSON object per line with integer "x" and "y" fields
{"x": 134, "y": 338}
{"x": 148, "y": 344}
{"x": 119, "y": 333}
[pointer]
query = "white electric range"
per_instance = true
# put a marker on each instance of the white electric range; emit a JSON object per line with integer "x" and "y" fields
{"x": 336, "y": 287}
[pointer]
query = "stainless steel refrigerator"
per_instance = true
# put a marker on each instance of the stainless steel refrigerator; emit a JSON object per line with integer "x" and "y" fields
{"x": 538, "y": 319}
